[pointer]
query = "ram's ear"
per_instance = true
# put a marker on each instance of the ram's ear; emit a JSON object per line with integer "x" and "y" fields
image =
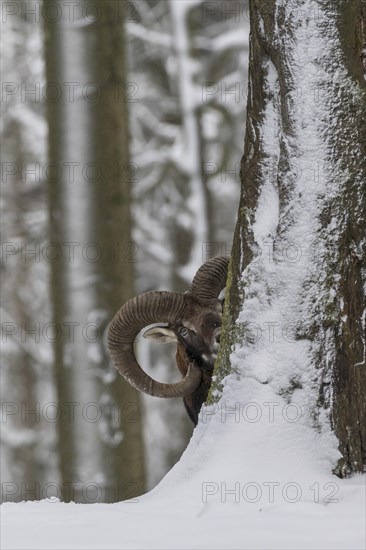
{"x": 161, "y": 334}
{"x": 220, "y": 306}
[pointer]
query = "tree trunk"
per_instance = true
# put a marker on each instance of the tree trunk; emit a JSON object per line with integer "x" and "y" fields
{"x": 27, "y": 455}
{"x": 296, "y": 280}
{"x": 100, "y": 440}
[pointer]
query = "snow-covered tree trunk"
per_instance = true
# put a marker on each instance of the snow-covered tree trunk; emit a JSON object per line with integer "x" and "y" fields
{"x": 100, "y": 427}
{"x": 295, "y": 305}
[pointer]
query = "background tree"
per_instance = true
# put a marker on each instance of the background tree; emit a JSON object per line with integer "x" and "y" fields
{"x": 90, "y": 216}
{"x": 188, "y": 63}
{"x": 295, "y": 302}
{"x": 28, "y": 454}
{"x": 166, "y": 247}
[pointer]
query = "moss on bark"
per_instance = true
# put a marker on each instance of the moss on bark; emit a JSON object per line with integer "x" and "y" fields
{"x": 335, "y": 326}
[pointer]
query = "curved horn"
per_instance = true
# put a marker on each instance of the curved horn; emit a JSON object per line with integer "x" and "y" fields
{"x": 210, "y": 279}
{"x": 134, "y": 315}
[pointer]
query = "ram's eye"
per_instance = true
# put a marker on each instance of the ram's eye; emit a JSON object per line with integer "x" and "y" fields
{"x": 183, "y": 331}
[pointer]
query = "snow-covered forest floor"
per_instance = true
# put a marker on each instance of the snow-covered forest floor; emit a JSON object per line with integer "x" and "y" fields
{"x": 253, "y": 476}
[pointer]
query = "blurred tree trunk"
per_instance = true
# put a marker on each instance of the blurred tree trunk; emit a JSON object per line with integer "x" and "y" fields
{"x": 21, "y": 371}
{"x": 187, "y": 138}
{"x": 290, "y": 122}
{"x": 27, "y": 455}
{"x": 192, "y": 149}
{"x": 100, "y": 442}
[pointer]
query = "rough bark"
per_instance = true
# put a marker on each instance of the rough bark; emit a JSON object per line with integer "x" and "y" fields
{"x": 333, "y": 294}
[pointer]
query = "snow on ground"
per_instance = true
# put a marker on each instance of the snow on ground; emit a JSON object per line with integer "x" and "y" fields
{"x": 256, "y": 473}
{"x": 253, "y": 476}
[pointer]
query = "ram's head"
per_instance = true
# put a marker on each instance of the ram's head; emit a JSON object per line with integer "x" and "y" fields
{"x": 192, "y": 320}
